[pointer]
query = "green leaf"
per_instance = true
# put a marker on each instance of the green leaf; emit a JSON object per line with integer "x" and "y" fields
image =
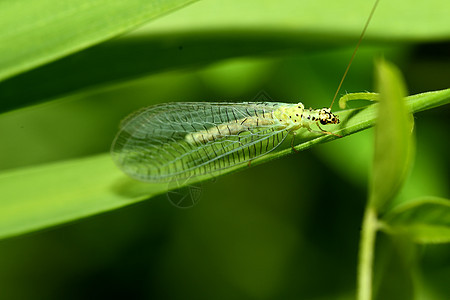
{"x": 393, "y": 138}
{"x": 38, "y": 197}
{"x": 35, "y": 32}
{"x": 425, "y": 220}
{"x": 418, "y": 21}
{"x": 198, "y": 35}
{"x": 65, "y": 191}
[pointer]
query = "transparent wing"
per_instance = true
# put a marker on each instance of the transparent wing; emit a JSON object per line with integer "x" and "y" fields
{"x": 152, "y": 144}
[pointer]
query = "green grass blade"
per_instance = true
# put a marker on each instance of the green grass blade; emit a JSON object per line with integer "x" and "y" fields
{"x": 42, "y": 196}
{"x": 142, "y": 56}
{"x": 35, "y": 32}
{"x": 394, "y": 146}
{"x": 426, "y": 220}
{"x": 399, "y": 20}
{"x": 196, "y": 36}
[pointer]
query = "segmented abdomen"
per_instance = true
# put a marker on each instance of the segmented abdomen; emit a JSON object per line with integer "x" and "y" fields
{"x": 235, "y": 127}
{"x": 181, "y": 140}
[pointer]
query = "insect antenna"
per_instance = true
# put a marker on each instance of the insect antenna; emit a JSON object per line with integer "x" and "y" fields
{"x": 354, "y": 52}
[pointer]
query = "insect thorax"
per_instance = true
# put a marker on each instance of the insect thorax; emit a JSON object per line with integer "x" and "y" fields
{"x": 295, "y": 116}
{"x": 290, "y": 115}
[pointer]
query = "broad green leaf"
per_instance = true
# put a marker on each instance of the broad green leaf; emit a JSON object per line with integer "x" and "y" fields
{"x": 393, "y": 137}
{"x": 141, "y": 56}
{"x": 65, "y": 191}
{"x": 198, "y": 35}
{"x": 42, "y": 196}
{"x": 426, "y": 220}
{"x": 402, "y": 19}
{"x": 35, "y": 32}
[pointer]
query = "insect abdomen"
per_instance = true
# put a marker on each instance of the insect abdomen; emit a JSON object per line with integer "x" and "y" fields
{"x": 229, "y": 129}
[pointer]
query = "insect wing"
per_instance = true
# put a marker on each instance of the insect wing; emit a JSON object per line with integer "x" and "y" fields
{"x": 182, "y": 140}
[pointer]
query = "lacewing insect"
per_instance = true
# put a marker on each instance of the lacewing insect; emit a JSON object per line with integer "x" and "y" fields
{"x": 188, "y": 139}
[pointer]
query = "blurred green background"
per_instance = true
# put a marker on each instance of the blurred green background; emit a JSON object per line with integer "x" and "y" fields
{"x": 287, "y": 229}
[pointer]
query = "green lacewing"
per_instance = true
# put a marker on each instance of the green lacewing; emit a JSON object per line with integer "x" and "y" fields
{"x": 188, "y": 139}
{"x": 183, "y": 140}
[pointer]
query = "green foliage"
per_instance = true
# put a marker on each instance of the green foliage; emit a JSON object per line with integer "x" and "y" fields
{"x": 425, "y": 220}
{"x": 392, "y": 159}
{"x": 177, "y": 41}
{"x": 393, "y": 138}
{"x": 36, "y": 32}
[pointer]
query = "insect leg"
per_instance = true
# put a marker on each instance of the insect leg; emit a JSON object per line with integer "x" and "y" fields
{"x": 327, "y": 132}
{"x": 292, "y": 141}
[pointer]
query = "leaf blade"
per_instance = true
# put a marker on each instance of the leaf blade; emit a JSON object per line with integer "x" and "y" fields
{"x": 206, "y": 37}
{"x": 394, "y": 146}
{"x": 64, "y": 191}
{"x": 35, "y": 32}
{"x": 53, "y": 193}
{"x": 425, "y": 220}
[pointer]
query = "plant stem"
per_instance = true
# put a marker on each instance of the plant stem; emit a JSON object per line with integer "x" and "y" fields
{"x": 366, "y": 253}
